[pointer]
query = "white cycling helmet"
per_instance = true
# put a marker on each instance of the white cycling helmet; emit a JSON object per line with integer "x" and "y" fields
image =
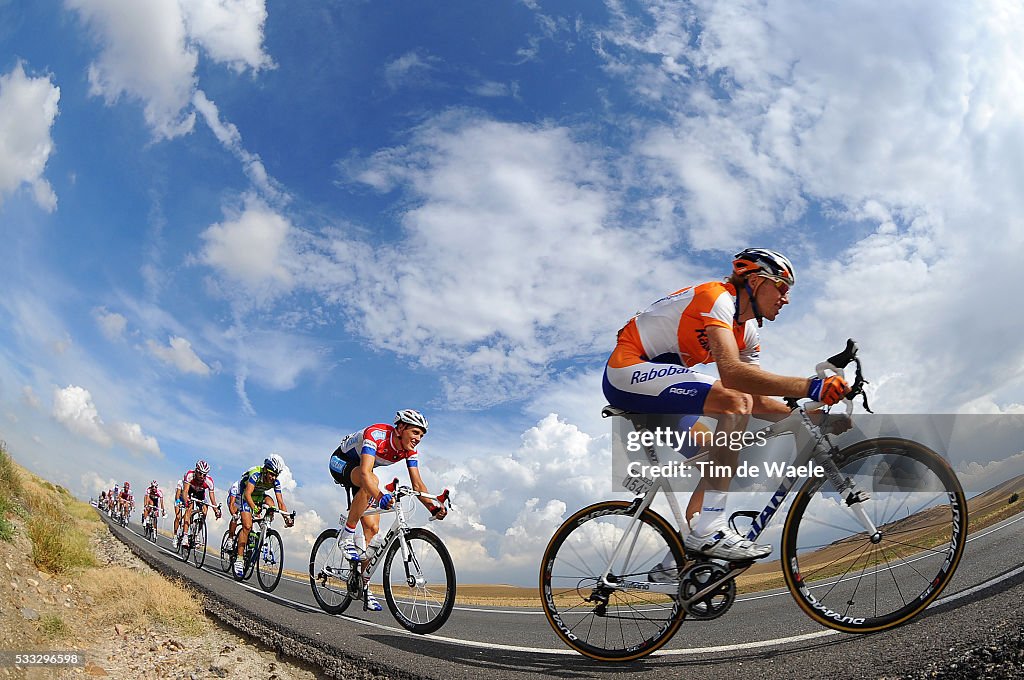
{"x": 274, "y": 463}
{"x": 411, "y": 417}
{"x": 768, "y": 263}
{"x": 202, "y": 467}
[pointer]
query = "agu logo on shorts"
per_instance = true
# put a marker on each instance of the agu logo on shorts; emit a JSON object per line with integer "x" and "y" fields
{"x": 683, "y": 391}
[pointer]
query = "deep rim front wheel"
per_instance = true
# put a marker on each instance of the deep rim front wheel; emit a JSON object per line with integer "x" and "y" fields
{"x": 848, "y": 580}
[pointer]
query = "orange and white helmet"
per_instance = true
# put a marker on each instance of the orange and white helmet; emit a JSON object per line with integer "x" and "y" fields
{"x": 768, "y": 263}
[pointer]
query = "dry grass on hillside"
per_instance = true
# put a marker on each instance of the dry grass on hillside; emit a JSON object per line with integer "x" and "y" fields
{"x": 60, "y": 528}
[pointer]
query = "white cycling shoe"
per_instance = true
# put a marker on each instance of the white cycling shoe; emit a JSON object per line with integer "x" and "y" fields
{"x": 351, "y": 550}
{"x": 371, "y": 602}
{"x": 726, "y": 544}
{"x": 239, "y": 568}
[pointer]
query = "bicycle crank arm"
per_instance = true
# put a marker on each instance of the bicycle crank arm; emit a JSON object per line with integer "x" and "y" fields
{"x": 708, "y": 589}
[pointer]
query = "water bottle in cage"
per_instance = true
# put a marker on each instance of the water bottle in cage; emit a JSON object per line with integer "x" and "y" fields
{"x": 374, "y": 545}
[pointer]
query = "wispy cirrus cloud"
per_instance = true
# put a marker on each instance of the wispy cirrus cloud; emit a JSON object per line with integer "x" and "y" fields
{"x": 178, "y": 352}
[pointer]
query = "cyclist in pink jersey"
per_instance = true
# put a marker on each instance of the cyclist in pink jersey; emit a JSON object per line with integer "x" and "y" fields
{"x": 353, "y": 466}
{"x": 715, "y": 322}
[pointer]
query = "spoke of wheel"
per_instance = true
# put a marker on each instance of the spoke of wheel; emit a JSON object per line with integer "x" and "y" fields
{"x": 837, "y": 559}
{"x": 928, "y": 502}
{"x": 921, "y": 528}
{"x": 845, "y": 573}
{"x": 894, "y": 581}
{"x": 853, "y": 532}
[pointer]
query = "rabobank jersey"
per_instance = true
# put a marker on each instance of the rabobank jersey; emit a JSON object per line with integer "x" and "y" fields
{"x": 380, "y": 441}
{"x": 674, "y": 329}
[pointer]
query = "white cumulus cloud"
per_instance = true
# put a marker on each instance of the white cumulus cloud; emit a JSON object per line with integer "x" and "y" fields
{"x": 28, "y": 109}
{"x": 251, "y": 247}
{"x": 149, "y": 51}
{"x": 73, "y": 407}
{"x": 111, "y": 324}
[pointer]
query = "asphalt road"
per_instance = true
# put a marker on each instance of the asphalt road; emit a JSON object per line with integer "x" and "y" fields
{"x": 763, "y": 635}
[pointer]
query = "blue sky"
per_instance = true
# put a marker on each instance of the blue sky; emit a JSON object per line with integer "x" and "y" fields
{"x": 232, "y": 227}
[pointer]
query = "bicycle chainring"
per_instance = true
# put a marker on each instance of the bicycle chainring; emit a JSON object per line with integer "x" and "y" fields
{"x": 711, "y": 605}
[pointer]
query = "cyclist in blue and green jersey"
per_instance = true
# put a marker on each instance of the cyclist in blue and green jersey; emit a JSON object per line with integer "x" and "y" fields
{"x": 253, "y": 488}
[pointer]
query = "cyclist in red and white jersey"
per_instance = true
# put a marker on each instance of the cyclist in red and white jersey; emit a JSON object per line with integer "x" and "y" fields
{"x": 196, "y": 484}
{"x": 125, "y": 501}
{"x": 718, "y": 321}
{"x": 154, "y": 496}
{"x": 353, "y": 464}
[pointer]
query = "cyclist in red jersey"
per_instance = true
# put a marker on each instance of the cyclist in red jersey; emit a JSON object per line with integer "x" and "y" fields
{"x": 154, "y": 497}
{"x": 196, "y": 484}
{"x": 650, "y": 372}
{"x": 352, "y": 466}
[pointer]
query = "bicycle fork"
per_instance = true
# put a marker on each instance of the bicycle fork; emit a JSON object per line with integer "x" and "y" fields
{"x": 853, "y": 497}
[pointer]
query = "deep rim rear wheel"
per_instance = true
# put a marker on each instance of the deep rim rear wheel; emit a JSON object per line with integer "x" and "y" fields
{"x": 613, "y": 623}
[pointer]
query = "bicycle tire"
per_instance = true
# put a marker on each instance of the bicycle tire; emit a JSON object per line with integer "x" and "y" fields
{"x": 199, "y": 544}
{"x": 227, "y": 552}
{"x": 864, "y": 584}
{"x": 183, "y": 548}
{"x": 249, "y": 556}
{"x": 270, "y": 561}
{"x": 646, "y": 622}
{"x": 330, "y": 592}
{"x": 413, "y": 597}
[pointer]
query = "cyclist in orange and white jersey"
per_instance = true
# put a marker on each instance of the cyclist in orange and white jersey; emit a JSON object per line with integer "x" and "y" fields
{"x": 650, "y": 371}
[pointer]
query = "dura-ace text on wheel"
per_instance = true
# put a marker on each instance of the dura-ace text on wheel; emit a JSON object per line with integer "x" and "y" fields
{"x": 849, "y": 580}
{"x": 419, "y": 584}
{"x": 620, "y": 619}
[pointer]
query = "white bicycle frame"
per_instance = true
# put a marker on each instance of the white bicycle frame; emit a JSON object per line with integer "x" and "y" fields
{"x": 811, "y": 444}
{"x": 398, "y": 530}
